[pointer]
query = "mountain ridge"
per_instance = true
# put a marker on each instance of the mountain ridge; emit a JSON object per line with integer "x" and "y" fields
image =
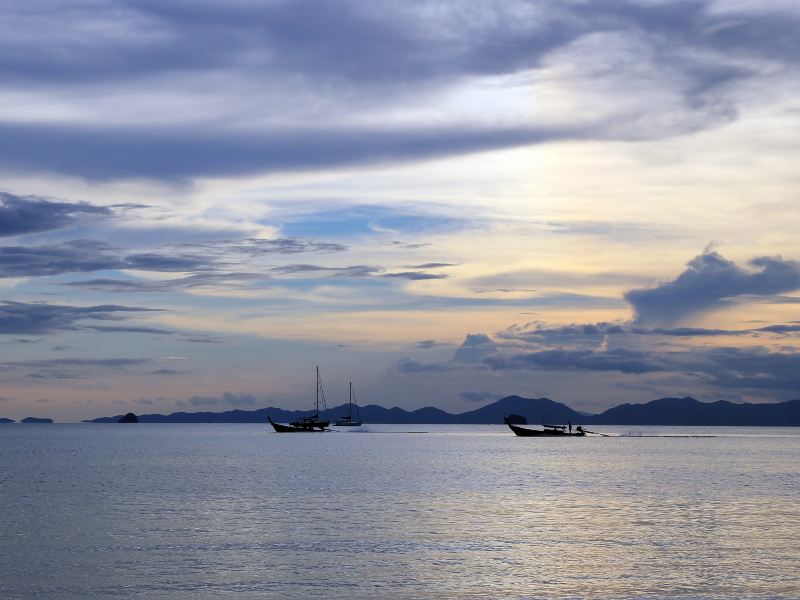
{"x": 664, "y": 411}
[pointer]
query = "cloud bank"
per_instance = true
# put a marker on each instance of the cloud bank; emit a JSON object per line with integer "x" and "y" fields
{"x": 708, "y": 281}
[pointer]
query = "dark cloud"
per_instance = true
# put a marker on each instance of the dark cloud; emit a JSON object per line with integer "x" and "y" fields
{"x": 152, "y": 261}
{"x": 227, "y": 399}
{"x": 29, "y": 214}
{"x": 198, "y": 339}
{"x": 475, "y": 347}
{"x": 197, "y": 280}
{"x": 254, "y": 247}
{"x": 425, "y": 344}
{"x": 128, "y": 329}
{"x": 40, "y": 318}
{"x": 55, "y": 374}
{"x": 408, "y": 365}
{"x": 75, "y": 256}
{"x": 208, "y": 263}
{"x": 109, "y": 153}
{"x": 351, "y": 271}
{"x": 81, "y": 256}
{"x": 106, "y": 284}
{"x": 433, "y": 265}
{"x": 415, "y": 275}
{"x": 110, "y": 363}
{"x": 355, "y": 55}
{"x": 375, "y": 43}
{"x": 355, "y": 271}
{"x": 708, "y": 281}
{"x": 538, "y": 333}
{"x": 618, "y": 359}
{"x": 741, "y": 368}
{"x": 754, "y": 368}
{"x": 168, "y": 372}
{"x": 479, "y": 396}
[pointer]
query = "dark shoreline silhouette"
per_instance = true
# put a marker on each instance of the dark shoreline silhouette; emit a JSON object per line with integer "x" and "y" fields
{"x": 36, "y": 420}
{"x": 665, "y": 411}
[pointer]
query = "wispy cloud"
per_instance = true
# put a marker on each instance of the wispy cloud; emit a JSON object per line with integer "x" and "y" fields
{"x": 29, "y": 214}
{"x": 40, "y": 318}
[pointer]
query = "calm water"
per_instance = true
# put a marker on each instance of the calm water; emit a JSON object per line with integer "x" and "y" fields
{"x": 215, "y": 511}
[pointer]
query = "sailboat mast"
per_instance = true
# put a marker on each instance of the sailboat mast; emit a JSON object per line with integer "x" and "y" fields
{"x": 317, "y": 403}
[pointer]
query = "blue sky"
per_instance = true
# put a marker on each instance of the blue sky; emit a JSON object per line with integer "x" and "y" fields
{"x": 443, "y": 202}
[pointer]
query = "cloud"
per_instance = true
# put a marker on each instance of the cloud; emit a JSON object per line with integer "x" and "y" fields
{"x": 426, "y": 344}
{"x": 350, "y": 271}
{"x": 89, "y": 255}
{"x": 355, "y": 271}
{"x": 617, "y": 359}
{"x": 40, "y": 318}
{"x": 540, "y": 334}
{"x": 408, "y": 365}
{"x": 414, "y": 275}
{"x": 168, "y": 372}
{"x": 173, "y": 153}
{"x": 254, "y": 247}
{"x": 128, "y": 329}
{"x": 474, "y": 348}
{"x": 141, "y": 89}
{"x": 708, "y": 281}
{"x": 479, "y": 396}
{"x": 75, "y": 256}
{"x": 110, "y": 363}
{"x": 433, "y": 265}
{"x": 204, "y": 260}
{"x": 29, "y": 214}
{"x": 227, "y": 399}
{"x": 211, "y": 280}
{"x": 741, "y": 368}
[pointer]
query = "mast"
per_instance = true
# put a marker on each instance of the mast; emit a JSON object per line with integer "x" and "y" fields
{"x": 317, "y": 403}
{"x": 350, "y": 408}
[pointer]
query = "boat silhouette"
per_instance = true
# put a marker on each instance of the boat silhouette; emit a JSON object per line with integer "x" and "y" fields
{"x": 348, "y": 420}
{"x": 546, "y": 431}
{"x": 314, "y": 423}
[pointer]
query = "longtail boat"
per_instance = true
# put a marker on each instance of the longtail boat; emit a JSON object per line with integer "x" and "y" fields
{"x": 546, "y": 431}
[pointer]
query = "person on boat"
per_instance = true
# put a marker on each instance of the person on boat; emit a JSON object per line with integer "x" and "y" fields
{"x": 579, "y": 429}
{"x": 570, "y": 426}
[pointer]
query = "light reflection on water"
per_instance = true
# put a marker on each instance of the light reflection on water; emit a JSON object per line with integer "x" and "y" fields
{"x": 209, "y": 511}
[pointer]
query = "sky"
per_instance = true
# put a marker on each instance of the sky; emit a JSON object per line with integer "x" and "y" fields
{"x": 443, "y": 202}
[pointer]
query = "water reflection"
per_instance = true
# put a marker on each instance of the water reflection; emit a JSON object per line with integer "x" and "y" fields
{"x": 192, "y": 511}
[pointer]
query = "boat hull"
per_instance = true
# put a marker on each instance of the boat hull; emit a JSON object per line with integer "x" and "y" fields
{"x": 525, "y": 432}
{"x": 304, "y": 428}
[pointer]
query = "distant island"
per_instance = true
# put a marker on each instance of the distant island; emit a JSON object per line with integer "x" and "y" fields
{"x": 4, "y": 420}
{"x": 36, "y": 420}
{"x": 665, "y": 411}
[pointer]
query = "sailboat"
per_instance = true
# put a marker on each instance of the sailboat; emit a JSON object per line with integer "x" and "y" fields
{"x": 348, "y": 420}
{"x": 313, "y": 423}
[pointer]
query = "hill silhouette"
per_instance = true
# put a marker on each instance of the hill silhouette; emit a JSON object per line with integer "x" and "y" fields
{"x": 665, "y": 411}
{"x": 688, "y": 411}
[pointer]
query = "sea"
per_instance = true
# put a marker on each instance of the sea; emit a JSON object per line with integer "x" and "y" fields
{"x": 397, "y": 511}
